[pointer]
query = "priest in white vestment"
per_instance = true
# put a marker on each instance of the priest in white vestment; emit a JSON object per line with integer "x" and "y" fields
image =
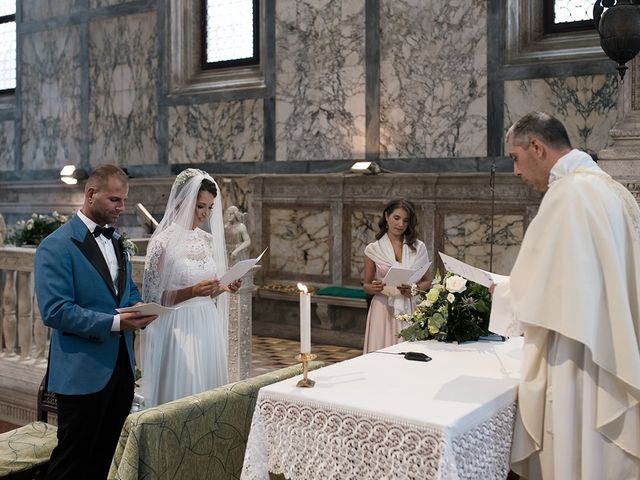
{"x": 574, "y": 292}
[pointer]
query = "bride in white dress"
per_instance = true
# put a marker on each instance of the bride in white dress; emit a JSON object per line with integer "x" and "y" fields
{"x": 185, "y": 351}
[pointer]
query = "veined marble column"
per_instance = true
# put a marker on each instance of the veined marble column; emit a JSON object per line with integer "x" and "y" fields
{"x": 621, "y": 158}
{"x": 239, "y": 355}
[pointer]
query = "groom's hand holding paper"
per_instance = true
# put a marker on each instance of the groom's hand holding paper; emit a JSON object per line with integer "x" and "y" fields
{"x": 145, "y": 309}
{"x": 139, "y": 315}
{"x": 240, "y": 269}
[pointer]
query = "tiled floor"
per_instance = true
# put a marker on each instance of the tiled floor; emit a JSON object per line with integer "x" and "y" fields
{"x": 272, "y": 353}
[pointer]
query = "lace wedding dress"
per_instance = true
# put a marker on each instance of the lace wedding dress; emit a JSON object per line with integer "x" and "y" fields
{"x": 185, "y": 351}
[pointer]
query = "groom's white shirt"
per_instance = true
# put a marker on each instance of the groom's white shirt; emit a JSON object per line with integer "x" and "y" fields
{"x": 109, "y": 253}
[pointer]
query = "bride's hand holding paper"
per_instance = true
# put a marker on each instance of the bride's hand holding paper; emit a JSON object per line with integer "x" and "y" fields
{"x": 233, "y": 287}
{"x": 239, "y": 269}
{"x": 207, "y": 288}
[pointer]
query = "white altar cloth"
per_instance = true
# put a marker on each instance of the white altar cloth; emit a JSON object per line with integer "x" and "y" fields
{"x": 381, "y": 416}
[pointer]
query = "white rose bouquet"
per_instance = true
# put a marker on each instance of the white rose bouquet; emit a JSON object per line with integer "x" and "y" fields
{"x": 453, "y": 310}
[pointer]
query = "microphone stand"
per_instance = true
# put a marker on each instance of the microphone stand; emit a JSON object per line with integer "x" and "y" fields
{"x": 492, "y": 184}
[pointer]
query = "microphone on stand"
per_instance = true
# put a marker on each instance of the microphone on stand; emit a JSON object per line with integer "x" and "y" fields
{"x": 492, "y": 185}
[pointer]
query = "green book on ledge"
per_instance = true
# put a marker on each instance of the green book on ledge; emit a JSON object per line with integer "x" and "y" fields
{"x": 338, "y": 291}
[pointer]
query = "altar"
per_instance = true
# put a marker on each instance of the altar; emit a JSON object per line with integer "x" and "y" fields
{"x": 382, "y": 416}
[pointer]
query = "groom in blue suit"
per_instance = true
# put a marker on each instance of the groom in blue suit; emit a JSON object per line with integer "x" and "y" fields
{"x": 82, "y": 274}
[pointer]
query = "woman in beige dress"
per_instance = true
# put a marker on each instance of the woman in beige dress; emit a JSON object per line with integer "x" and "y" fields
{"x": 396, "y": 245}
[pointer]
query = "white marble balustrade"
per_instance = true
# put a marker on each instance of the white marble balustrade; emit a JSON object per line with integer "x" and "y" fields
{"x": 23, "y": 356}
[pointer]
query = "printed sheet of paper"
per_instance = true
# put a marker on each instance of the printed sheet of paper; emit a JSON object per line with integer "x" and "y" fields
{"x": 471, "y": 273}
{"x": 239, "y": 269}
{"x": 397, "y": 276}
{"x": 147, "y": 309}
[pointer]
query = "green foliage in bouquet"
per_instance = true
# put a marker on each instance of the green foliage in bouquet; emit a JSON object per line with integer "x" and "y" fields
{"x": 35, "y": 229}
{"x": 128, "y": 247}
{"x": 453, "y": 310}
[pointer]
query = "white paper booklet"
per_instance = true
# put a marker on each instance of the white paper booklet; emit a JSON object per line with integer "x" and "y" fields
{"x": 397, "y": 276}
{"x": 471, "y": 273}
{"x": 147, "y": 309}
{"x": 239, "y": 269}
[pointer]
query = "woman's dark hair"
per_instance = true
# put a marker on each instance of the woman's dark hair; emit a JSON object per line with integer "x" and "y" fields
{"x": 411, "y": 233}
{"x": 208, "y": 186}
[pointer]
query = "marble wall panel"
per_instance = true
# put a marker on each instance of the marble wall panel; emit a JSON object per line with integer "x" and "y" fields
{"x": 433, "y": 71}
{"x": 467, "y": 237}
{"x": 51, "y": 77}
{"x": 215, "y": 133}
{"x": 363, "y": 227}
{"x": 43, "y": 9}
{"x": 587, "y": 105}
{"x": 7, "y": 149}
{"x": 106, "y": 3}
{"x": 320, "y": 80}
{"x": 299, "y": 243}
{"x": 123, "y": 71}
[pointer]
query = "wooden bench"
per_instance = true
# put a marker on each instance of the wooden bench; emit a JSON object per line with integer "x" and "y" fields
{"x": 334, "y": 320}
{"x": 25, "y": 451}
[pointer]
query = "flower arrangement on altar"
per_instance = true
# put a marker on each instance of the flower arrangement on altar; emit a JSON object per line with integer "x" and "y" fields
{"x": 453, "y": 310}
{"x": 35, "y": 229}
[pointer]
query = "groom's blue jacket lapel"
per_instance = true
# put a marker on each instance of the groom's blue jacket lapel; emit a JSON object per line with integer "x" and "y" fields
{"x": 89, "y": 248}
{"x": 122, "y": 266}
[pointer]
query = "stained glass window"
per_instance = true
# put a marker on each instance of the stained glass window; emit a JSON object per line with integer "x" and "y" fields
{"x": 230, "y": 33}
{"x": 7, "y": 46}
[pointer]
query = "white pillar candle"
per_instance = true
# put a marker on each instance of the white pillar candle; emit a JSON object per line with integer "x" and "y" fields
{"x": 305, "y": 319}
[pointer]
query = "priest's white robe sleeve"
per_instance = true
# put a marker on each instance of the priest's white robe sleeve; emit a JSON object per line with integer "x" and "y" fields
{"x": 503, "y": 320}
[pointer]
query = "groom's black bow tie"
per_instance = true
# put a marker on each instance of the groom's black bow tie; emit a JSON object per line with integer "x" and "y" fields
{"x": 106, "y": 231}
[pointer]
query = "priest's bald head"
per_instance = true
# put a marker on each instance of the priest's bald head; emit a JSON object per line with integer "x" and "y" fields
{"x": 535, "y": 143}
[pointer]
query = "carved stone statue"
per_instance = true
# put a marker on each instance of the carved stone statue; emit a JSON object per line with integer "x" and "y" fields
{"x": 236, "y": 235}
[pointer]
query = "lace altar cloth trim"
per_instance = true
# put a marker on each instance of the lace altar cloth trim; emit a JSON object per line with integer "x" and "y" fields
{"x": 303, "y": 442}
{"x": 484, "y": 451}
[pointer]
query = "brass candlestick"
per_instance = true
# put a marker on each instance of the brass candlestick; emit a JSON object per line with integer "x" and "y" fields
{"x": 305, "y": 358}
